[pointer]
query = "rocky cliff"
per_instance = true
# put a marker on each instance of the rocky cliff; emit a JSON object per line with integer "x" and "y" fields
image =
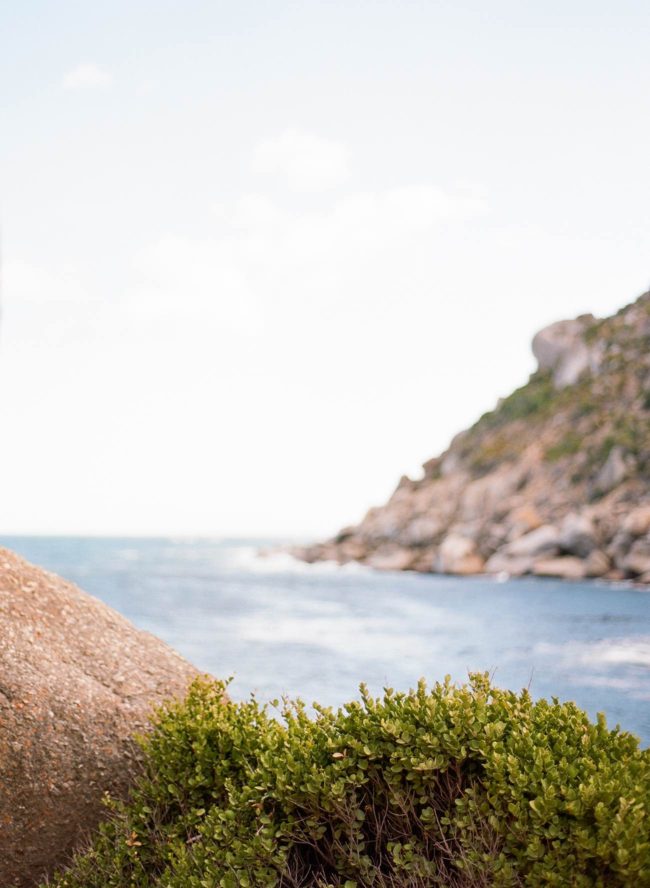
{"x": 554, "y": 481}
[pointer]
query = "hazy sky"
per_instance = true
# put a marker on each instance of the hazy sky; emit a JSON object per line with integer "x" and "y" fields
{"x": 261, "y": 258}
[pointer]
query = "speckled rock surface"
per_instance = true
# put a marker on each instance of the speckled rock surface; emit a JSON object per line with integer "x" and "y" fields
{"x": 76, "y": 681}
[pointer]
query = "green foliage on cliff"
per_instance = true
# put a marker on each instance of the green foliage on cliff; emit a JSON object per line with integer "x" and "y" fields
{"x": 463, "y": 786}
{"x": 578, "y": 423}
{"x": 568, "y": 444}
{"x": 534, "y": 399}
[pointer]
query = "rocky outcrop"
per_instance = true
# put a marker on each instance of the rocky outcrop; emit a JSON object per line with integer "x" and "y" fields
{"x": 458, "y": 555}
{"x": 555, "y": 481}
{"x": 561, "y": 349}
{"x": 565, "y": 568}
{"x": 76, "y": 681}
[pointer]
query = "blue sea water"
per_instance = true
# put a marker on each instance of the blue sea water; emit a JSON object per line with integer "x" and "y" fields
{"x": 282, "y": 627}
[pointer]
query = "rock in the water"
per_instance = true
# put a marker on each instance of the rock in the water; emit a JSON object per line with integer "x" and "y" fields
{"x": 458, "y": 555}
{"x": 597, "y": 564}
{"x": 391, "y": 558}
{"x": 76, "y": 681}
{"x": 510, "y": 565}
{"x": 542, "y": 541}
{"x": 637, "y": 560}
{"x": 565, "y": 568}
{"x": 577, "y": 535}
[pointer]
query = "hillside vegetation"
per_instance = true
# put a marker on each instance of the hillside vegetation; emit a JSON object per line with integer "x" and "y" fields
{"x": 554, "y": 481}
{"x": 453, "y": 786}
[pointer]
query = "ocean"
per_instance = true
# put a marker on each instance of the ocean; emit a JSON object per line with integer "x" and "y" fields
{"x": 280, "y": 627}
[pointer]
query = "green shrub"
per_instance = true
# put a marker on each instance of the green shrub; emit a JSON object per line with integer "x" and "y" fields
{"x": 492, "y": 451}
{"x": 570, "y": 444}
{"x": 459, "y": 786}
{"x": 535, "y": 399}
{"x": 630, "y": 432}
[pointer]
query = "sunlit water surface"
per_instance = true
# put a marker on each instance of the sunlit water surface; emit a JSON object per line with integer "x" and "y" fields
{"x": 281, "y": 627}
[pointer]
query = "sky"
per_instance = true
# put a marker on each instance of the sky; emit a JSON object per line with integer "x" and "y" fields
{"x": 260, "y": 259}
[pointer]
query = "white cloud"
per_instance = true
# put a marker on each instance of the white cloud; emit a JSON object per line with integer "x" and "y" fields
{"x": 47, "y": 305}
{"x": 263, "y": 264}
{"x": 305, "y": 162}
{"x": 198, "y": 283}
{"x": 34, "y": 285}
{"x": 87, "y": 76}
{"x": 146, "y": 87}
{"x": 276, "y": 373}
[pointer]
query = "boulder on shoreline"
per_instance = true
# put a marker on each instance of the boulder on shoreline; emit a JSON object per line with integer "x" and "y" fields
{"x": 77, "y": 680}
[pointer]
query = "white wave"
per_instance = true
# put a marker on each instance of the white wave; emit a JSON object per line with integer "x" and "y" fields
{"x": 367, "y": 639}
{"x": 403, "y": 629}
{"x": 277, "y": 562}
{"x": 129, "y": 554}
{"x": 633, "y": 651}
{"x": 638, "y": 686}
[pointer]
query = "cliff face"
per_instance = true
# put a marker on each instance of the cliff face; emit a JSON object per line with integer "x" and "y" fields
{"x": 554, "y": 481}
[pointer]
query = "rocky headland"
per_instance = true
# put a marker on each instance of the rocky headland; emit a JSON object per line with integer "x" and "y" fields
{"x": 555, "y": 481}
{"x": 77, "y": 680}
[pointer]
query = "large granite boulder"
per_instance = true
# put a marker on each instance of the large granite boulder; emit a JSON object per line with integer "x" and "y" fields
{"x": 543, "y": 540}
{"x": 568, "y": 567}
{"x": 561, "y": 348}
{"x": 458, "y": 555}
{"x": 76, "y": 681}
{"x": 577, "y": 535}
